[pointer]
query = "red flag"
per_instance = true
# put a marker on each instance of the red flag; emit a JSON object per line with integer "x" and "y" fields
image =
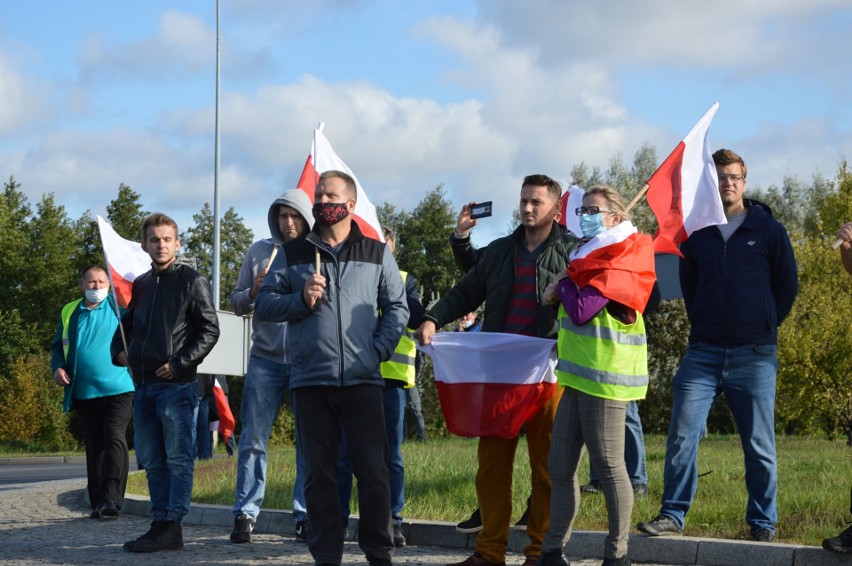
{"x": 684, "y": 191}
{"x": 323, "y": 158}
{"x": 125, "y": 261}
{"x": 489, "y": 383}
{"x": 571, "y": 201}
{"x": 226, "y": 417}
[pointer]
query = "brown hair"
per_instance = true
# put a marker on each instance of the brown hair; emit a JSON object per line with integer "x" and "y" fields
{"x": 157, "y": 219}
{"x": 345, "y": 177}
{"x": 539, "y": 180}
{"x": 724, "y": 157}
{"x": 616, "y": 203}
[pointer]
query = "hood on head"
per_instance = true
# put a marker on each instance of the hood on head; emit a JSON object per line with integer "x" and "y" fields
{"x": 295, "y": 199}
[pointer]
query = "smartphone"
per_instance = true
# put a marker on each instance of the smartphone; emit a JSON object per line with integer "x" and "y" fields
{"x": 480, "y": 210}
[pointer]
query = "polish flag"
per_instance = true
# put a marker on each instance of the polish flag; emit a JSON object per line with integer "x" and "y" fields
{"x": 619, "y": 263}
{"x": 684, "y": 191}
{"x": 323, "y": 158}
{"x": 226, "y": 417}
{"x": 490, "y": 383}
{"x": 571, "y": 201}
{"x": 125, "y": 261}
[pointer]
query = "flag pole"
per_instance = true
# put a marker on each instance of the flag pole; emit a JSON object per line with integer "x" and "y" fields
{"x": 117, "y": 313}
{"x": 638, "y": 196}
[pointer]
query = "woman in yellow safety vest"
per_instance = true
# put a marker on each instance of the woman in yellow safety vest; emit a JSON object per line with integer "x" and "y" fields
{"x": 603, "y": 365}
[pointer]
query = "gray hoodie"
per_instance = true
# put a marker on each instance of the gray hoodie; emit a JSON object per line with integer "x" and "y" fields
{"x": 267, "y": 337}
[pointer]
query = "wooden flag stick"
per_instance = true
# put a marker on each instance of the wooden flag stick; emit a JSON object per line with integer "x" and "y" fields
{"x": 837, "y": 243}
{"x": 318, "y": 260}
{"x": 638, "y": 196}
{"x": 272, "y": 256}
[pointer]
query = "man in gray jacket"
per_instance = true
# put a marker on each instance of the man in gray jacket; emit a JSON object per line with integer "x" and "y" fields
{"x": 268, "y": 374}
{"x": 344, "y": 299}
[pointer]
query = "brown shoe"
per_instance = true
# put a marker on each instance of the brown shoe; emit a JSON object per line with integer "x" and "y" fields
{"x": 477, "y": 559}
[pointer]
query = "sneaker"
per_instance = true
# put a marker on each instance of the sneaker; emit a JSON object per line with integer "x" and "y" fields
{"x": 760, "y": 534}
{"x": 552, "y": 558}
{"x": 108, "y": 510}
{"x": 301, "y": 531}
{"x": 660, "y": 525}
{"x": 623, "y": 561}
{"x": 593, "y": 486}
{"x": 398, "y": 537}
{"x": 640, "y": 489}
{"x": 243, "y": 526}
{"x": 841, "y": 543}
{"x": 166, "y": 535}
{"x": 521, "y": 525}
{"x": 156, "y": 527}
{"x": 472, "y": 525}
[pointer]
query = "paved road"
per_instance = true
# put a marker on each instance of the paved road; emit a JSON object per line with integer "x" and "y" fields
{"x": 47, "y": 523}
{"x": 55, "y": 469}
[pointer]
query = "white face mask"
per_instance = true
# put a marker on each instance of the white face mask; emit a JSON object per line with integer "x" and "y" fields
{"x": 94, "y": 296}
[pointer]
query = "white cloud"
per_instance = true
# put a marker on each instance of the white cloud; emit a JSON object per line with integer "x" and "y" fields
{"x": 23, "y": 99}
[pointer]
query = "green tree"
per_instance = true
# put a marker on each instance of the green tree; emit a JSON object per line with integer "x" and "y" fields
{"x": 126, "y": 214}
{"x": 235, "y": 239}
{"x": 422, "y": 247}
{"x": 51, "y": 278}
{"x": 14, "y": 243}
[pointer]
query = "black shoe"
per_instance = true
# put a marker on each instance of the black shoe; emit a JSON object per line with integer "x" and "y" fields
{"x": 552, "y": 558}
{"x": 841, "y": 543}
{"x": 156, "y": 526}
{"x": 373, "y": 561}
{"x": 594, "y": 486}
{"x": 623, "y": 561}
{"x": 243, "y": 526}
{"x": 640, "y": 489}
{"x": 660, "y": 525}
{"x": 521, "y": 525}
{"x": 760, "y": 534}
{"x": 108, "y": 510}
{"x": 398, "y": 537}
{"x": 95, "y": 514}
{"x": 164, "y": 535}
{"x": 301, "y": 531}
{"x": 472, "y": 525}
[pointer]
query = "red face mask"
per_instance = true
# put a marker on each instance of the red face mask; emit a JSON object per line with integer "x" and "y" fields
{"x": 329, "y": 213}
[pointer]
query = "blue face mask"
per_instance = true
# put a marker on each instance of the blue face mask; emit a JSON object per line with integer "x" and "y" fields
{"x": 592, "y": 224}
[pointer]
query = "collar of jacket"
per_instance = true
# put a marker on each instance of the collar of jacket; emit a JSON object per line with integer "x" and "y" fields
{"x": 355, "y": 235}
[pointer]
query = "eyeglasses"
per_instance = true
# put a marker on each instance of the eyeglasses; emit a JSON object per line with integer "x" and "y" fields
{"x": 732, "y": 178}
{"x": 591, "y": 210}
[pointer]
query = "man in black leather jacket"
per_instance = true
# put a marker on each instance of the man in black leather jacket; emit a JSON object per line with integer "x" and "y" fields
{"x": 169, "y": 328}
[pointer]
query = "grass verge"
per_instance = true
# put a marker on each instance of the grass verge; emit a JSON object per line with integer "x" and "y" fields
{"x": 813, "y": 490}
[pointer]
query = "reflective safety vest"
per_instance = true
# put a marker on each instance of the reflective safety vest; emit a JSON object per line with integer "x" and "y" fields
{"x": 604, "y": 357}
{"x": 401, "y": 363}
{"x": 65, "y": 318}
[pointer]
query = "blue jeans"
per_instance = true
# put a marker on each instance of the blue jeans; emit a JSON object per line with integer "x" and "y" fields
{"x": 746, "y": 375}
{"x": 634, "y": 448}
{"x": 203, "y": 436}
{"x": 394, "y": 406}
{"x": 263, "y": 396}
{"x": 164, "y": 417}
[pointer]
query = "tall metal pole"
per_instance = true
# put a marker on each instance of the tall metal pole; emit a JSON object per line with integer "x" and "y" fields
{"x": 216, "y": 215}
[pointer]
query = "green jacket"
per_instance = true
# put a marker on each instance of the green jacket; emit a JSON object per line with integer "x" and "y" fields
{"x": 492, "y": 278}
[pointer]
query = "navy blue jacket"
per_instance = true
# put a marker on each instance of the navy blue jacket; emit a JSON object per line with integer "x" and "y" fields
{"x": 738, "y": 292}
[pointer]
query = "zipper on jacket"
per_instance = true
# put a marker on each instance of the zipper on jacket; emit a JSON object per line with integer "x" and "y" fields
{"x": 150, "y": 319}
{"x": 339, "y": 320}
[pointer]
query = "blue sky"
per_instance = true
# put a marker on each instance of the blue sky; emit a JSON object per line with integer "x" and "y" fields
{"x": 472, "y": 95}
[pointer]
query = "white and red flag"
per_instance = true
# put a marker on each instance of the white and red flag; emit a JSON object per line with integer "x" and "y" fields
{"x": 571, "y": 201}
{"x": 125, "y": 261}
{"x": 323, "y": 158}
{"x": 491, "y": 383}
{"x": 684, "y": 191}
{"x": 226, "y": 417}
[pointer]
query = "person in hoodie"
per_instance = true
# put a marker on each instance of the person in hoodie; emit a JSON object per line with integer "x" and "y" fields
{"x": 739, "y": 282}
{"x": 268, "y": 374}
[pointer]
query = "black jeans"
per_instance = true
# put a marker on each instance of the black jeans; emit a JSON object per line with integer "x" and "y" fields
{"x": 104, "y": 421}
{"x": 320, "y": 414}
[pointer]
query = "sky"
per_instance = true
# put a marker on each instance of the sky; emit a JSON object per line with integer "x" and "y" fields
{"x": 471, "y": 95}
